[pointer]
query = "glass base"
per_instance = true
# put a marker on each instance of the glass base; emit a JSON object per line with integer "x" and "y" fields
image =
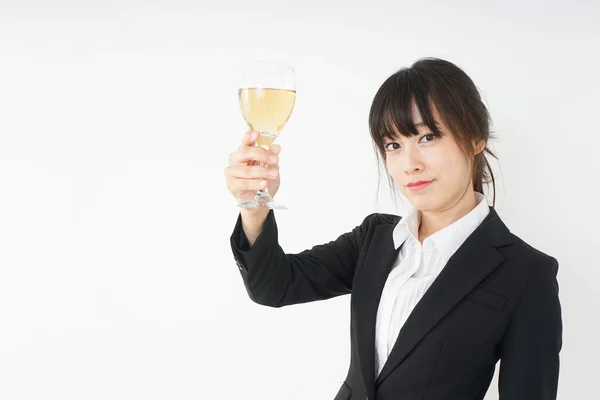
{"x": 262, "y": 200}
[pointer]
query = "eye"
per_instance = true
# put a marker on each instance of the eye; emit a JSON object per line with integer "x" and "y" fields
{"x": 391, "y": 146}
{"x": 431, "y": 136}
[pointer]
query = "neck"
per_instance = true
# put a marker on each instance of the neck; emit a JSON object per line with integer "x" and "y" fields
{"x": 434, "y": 221}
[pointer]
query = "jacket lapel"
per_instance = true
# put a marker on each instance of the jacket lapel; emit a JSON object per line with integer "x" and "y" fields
{"x": 365, "y": 298}
{"x": 469, "y": 265}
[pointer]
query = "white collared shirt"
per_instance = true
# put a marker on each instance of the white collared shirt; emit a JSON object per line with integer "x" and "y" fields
{"x": 415, "y": 269}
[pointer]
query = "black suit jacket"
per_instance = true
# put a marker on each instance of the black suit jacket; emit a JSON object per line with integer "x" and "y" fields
{"x": 496, "y": 299}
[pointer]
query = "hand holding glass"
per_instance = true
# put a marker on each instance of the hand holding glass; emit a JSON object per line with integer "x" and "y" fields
{"x": 267, "y": 96}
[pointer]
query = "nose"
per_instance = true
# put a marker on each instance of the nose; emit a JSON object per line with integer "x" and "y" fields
{"x": 412, "y": 160}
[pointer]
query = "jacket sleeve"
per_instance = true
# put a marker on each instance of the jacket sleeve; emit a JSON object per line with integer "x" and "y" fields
{"x": 530, "y": 349}
{"x": 276, "y": 279}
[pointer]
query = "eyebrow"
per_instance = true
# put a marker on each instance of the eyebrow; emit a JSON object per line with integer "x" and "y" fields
{"x": 420, "y": 124}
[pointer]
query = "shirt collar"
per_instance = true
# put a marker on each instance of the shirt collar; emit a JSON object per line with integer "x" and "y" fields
{"x": 449, "y": 239}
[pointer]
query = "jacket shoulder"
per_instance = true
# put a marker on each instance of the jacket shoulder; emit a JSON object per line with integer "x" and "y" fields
{"x": 534, "y": 256}
{"x": 381, "y": 219}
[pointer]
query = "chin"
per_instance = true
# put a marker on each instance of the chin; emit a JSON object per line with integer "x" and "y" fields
{"x": 424, "y": 203}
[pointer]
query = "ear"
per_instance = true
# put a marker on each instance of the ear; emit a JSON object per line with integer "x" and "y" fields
{"x": 479, "y": 147}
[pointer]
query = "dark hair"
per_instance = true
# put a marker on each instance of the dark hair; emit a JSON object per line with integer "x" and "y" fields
{"x": 434, "y": 83}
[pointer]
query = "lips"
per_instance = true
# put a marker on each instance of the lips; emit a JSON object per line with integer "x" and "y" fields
{"x": 418, "y": 185}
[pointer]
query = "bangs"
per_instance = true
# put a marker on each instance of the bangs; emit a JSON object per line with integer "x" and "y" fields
{"x": 391, "y": 113}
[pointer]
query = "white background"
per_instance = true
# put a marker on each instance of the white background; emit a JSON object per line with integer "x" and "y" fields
{"x": 116, "y": 121}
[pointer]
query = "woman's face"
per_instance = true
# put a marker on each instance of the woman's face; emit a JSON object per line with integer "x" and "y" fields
{"x": 427, "y": 157}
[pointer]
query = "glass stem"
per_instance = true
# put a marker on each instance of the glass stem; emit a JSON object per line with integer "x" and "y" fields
{"x": 265, "y": 190}
{"x": 264, "y": 141}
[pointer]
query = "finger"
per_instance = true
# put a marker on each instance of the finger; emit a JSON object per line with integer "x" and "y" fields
{"x": 275, "y": 148}
{"x": 251, "y": 172}
{"x": 250, "y": 138}
{"x": 241, "y": 184}
{"x": 248, "y": 154}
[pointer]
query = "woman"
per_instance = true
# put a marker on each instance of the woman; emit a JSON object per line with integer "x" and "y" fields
{"x": 439, "y": 296}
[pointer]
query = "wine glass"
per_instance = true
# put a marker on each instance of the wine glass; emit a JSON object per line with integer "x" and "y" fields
{"x": 267, "y": 96}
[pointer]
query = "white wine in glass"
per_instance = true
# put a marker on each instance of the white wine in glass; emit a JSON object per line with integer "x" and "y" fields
{"x": 267, "y": 98}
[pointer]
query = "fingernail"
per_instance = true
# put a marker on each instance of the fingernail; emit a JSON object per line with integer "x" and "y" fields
{"x": 253, "y": 135}
{"x": 273, "y": 172}
{"x": 273, "y": 159}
